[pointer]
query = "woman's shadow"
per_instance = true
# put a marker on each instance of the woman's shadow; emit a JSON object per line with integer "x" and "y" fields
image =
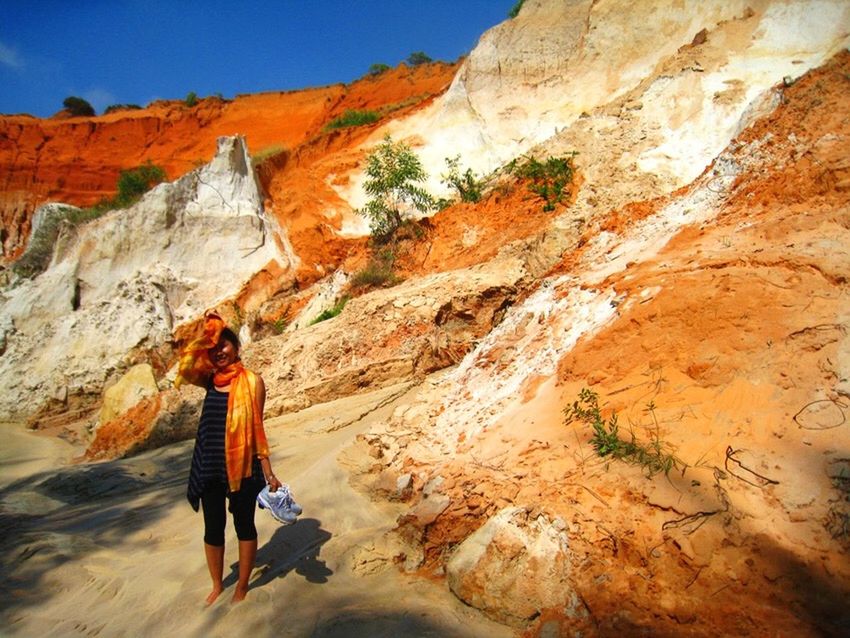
{"x": 295, "y": 546}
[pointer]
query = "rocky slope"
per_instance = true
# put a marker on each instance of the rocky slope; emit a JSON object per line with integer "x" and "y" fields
{"x": 696, "y": 282}
{"x": 716, "y": 325}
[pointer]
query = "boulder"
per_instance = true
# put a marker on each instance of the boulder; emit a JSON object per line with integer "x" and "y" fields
{"x": 138, "y": 382}
{"x": 514, "y": 567}
{"x": 154, "y": 421}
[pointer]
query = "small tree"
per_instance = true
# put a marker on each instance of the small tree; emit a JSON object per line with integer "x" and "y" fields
{"x": 78, "y": 106}
{"x": 418, "y": 57}
{"x": 191, "y": 99}
{"x": 393, "y": 170}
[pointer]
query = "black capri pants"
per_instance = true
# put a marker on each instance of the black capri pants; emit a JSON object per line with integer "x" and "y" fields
{"x": 242, "y": 507}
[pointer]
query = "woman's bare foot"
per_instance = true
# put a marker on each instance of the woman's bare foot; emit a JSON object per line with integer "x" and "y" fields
{"x": 239, "y": 595}
{"x": 213, "y": 595}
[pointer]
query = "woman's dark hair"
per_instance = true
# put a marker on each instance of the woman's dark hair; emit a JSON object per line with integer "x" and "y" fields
{"x": 231, "y": 336}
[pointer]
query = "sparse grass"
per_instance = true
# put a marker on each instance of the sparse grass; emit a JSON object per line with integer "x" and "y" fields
{"x": 378, "y": 272}
{"x": 403, "y": 104}
{"x": 279, "y": 325}
{"x": 266, "y": 153}
{"x": 330, "y": 313}
{"x": 653, "y": 457}
{"x": 353, "y": 118}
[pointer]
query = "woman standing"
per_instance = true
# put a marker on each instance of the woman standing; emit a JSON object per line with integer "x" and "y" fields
{"x": 231, "y": 455}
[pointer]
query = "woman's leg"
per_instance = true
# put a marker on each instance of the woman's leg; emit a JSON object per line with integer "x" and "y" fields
{"x": 247, "y": 554}
{"x": 212, "y": 502}
{"x": 215, "y": 563}
{"x": 243, "y": 505}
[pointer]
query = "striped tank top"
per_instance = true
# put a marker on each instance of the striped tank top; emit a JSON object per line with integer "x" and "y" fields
{"x": 208, "y": 459}
{"x": 208, "y": 464}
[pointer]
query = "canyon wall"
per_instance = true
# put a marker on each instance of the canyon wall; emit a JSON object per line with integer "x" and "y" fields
{"x": 694, "y": 280}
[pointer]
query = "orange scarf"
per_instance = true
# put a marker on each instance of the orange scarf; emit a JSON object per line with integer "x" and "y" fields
{"x": 244, "y": 436}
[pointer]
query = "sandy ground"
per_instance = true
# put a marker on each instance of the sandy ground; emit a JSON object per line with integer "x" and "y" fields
{"x": 113, "y": 549}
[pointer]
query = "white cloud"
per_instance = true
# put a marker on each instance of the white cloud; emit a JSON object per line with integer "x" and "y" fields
{"x": 9, "y": 57}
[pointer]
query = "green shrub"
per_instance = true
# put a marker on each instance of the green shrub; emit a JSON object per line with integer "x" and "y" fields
{"x": 77, "y": 106}
{"x": 191, "y": 99}
{"x": 514, "y": 12}
{"x": 377, "y": 68}
{"x": 393, "y": 171}
{"x": 418, "y": 57}
{"x": 606, "y": 440}
{"x": 121, "y": 107}
{"x": 353, "y": 118}
{"x": 330, "y": 313}
{"x": 135, "y": 182}
{"x": 550, "y": 180}
{"x": 442, "y": 203}
{"x": 468, "y": 187}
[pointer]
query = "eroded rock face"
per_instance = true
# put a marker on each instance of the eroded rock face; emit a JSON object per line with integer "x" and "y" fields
{"x": 118, "y": 285}
{"x": 387, "y": 336}
{"x": 514, "y": 567}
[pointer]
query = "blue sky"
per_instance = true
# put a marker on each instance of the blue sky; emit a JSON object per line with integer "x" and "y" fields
{"x": 134, "y": 52}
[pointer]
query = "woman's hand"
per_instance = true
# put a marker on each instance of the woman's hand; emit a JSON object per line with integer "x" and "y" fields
{"x": 268, "y": 473}
{"x": 273, "y": 483}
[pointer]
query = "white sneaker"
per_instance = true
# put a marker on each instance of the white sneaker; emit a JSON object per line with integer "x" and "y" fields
{"x": 279, "y": 504}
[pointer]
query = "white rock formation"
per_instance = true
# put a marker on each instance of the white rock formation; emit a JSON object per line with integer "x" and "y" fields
{"x": 637, "y": 88}
{"x": 119, "y": 284}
